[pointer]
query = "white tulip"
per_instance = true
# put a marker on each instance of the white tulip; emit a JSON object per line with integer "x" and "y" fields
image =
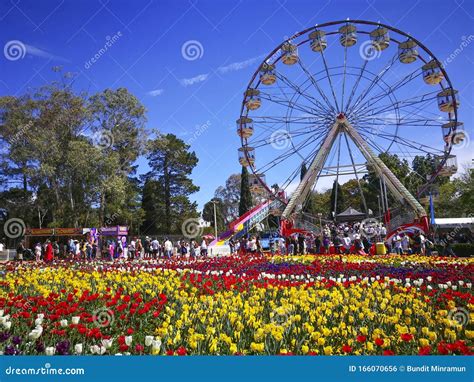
{"x": 75, "y": 320}
{"x": 95, "y": 349}
{"x": 50, "y": 350}
{"x": 107, "y": 343}
{"x": 3, "y": 320}
{"x": 128, "y": 340}
{"x": 63, "y": 323}
{"x": 78, "y": 348}
{"x": 156, "y": 345}
{"x": 36, "y": 333}
{"x": 149, "y": 340}
{"x": 7, "y": 325}
{"x": 40, "y": 316}
{"x": 38, "y": 321}
{"x": 1, "y": 312}
{"x": 102, "y": 350}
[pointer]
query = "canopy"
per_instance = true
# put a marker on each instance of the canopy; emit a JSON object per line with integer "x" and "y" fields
{"x": 454, "y": 222}
{"x": 350, "y": 214}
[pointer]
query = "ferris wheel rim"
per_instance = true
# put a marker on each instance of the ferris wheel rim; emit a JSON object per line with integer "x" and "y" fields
{"x": 453, "y": 116}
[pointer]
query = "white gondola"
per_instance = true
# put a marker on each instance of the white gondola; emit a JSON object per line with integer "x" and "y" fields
{"x": 252, "y": 99}
{"x": 450, "y": 167}
{"x": 246, "y": 156}
{"x": 407, "y": 52}
{"x": 245, "y": 127}
{"x": 348, "y": 35}
{"x": 318, "y": 40}
{"x": 450, "y": 129}
{"x": 267, "y": 74}
{"x": 432, "y": 73}
{"x": 255, "y": 184}
{"x": 380, "y": 38}
{"x": 448, "y": 100}
{"x": 289, "y": 53}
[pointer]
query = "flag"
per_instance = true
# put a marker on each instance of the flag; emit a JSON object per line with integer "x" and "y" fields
{"x": 432, "y": 215}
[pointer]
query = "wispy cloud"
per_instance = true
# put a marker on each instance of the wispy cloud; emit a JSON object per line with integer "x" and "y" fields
{"x": 34, "y": 51}
{"x": 156, "y": 92}
{"x": 233, "y": 67}
{"x": 239, "y": 65}
{"x": 194, "y": 80}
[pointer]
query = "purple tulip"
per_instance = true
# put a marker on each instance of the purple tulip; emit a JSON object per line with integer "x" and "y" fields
{"x": 4, "y": 336}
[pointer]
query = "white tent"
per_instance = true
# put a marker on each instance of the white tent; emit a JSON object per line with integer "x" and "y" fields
{"x": 454, "y": 223}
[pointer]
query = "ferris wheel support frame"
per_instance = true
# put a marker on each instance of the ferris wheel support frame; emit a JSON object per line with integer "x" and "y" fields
{"x": 312, "y": 173}
{"x": 384, "y": 173}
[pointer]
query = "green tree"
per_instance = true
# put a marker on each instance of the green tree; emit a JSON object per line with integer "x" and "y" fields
{"x": 230, "y": 196}
{"x": 245, "y": 203}
{"x": 337, "y": 199}
{"x": 171, "y": 165}
{"x": 208, "y": 213}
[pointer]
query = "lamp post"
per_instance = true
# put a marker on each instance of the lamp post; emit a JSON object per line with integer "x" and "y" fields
{"x": 380, "y": 211}
{"x": 215, "y": 218}
{"x": 320, "y": 224}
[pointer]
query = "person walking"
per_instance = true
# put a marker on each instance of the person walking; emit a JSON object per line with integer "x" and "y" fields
{"x": 49, "y": 254}
{"x": 38, "y": 252}
{"x": 203, "y": 247}
{"x": 168, "y": 248}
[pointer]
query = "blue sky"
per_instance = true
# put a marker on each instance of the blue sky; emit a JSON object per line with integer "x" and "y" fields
{"x": 198, "y": 97}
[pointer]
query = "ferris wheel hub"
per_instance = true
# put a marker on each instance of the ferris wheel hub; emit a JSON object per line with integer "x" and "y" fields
{"x": 341, "y": 116}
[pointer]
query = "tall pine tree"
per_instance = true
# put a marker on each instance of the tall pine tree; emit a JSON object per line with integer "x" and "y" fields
{"x": 171, "y": 165}
{"x": 245, "y": 203}
{"x": 337, "y": 202}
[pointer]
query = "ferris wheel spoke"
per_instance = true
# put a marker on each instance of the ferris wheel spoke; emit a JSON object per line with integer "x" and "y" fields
{"x": 413, "y": 144}
{"x": 344, "y": 78}
{"x": 373, "y": 83}
{"x": 411, "y": 102}
{"x": 303, "y": 94}
{"x": 391, "y": 89}
{"x": 330, "y": 107}
{"x": 356, "y": 85}
{"x": 330, "y": 80}
{"x": 286, "y": 102}
{"x": 309, "y": 120}
{"x": 273, "y": 139}
{"x": 398, "y": 121}
{"x": 290, "y": 103}
{"x": 289, "y": 153}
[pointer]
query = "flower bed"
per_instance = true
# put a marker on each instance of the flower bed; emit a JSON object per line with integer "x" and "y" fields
{"x": 240, "y": 305}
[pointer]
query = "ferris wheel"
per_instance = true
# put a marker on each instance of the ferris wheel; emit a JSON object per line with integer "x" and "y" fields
{"x": 333, "y": 98}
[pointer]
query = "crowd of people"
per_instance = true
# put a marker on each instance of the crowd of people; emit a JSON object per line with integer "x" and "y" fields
{"x": 110, "y": 249}
{"x": 337, "y": 238}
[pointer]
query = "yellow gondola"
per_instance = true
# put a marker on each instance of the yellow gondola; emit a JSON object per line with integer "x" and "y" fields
{"x": 290, "y": 53}
{"x": 348, "y": 35}
{"x": 252, "y": 99}
{"x": 407, "y": 52}
{"x": 380, "y": 38}
{"x": 432, "y": 73}
{"x": 318, "y": 40}
{"x": 244, "y": 127}
{"x": 246, "y": 156}
{"x": 267, "y": 74}
{"x": 448, "y": 100}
